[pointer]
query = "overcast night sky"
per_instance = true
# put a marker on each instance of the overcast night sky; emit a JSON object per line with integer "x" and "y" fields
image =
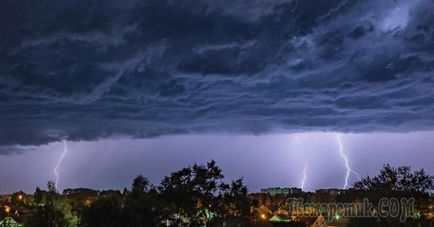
{"x": 261, "y": 86}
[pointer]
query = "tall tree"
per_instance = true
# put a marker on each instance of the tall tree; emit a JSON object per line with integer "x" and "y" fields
{"x": 234, "y": 207}
{"x": 105, "y": 212}
{"x": 190, "y": 192}
{"x": 56, "y": 212}
{"x": 140, "y": 205}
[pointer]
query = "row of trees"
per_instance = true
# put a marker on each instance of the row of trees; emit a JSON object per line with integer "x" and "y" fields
{"x": 397, "y": 179}
{"x": 399, "y": 182}
{"x": 199, "y": 196}
{"x": 194, "y": 196}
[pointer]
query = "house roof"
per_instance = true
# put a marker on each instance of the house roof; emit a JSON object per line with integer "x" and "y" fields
{"x": 280, "y": 218}
{"x": 8, "y": 220}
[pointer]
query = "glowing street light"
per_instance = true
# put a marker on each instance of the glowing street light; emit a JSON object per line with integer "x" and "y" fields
{"x": 7, "y": 209}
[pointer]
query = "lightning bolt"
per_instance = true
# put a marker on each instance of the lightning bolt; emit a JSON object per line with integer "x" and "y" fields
{"x": 59, "y": 162}
{"x": 347, "y": 164}
{"x": 303, "y": 181}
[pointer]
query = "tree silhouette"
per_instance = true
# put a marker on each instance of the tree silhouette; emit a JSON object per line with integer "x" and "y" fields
{"x": 190, "y": 192}
{"x": 397, "y": 179}
{"x": 56, "y": 212}
{"x": 105, "y": 212}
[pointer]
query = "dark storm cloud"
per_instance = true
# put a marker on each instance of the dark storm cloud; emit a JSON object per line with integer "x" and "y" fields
{"x": 13, "y": 150}
{"x": 84, "y": 70}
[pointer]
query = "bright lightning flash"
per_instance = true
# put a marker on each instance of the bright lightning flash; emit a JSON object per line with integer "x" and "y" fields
{"x": 59, "y": 162}
{"x": 347, "y": 165}
{"x": 303, "y": 181}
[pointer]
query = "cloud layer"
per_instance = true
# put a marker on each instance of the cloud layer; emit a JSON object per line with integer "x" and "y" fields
{"x": 84, "y": 70}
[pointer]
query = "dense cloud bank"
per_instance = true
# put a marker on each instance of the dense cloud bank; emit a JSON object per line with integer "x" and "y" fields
{"x": 83, "y": 70}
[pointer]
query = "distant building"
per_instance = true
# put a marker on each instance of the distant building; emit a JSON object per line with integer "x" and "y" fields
{"x": 281, "y": 191}
{"x": 322, "y": 221}
{"x": 5, "y": 198}
{"x": 319, "y": 221}
{"x": 331, "y": 191}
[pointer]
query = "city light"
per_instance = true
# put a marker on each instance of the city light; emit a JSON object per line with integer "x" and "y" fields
{"x": 7, "y": 209}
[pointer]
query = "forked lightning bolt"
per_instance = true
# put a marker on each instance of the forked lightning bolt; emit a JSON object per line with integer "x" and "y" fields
{"x": 347, "y": 164}
{"x": 59, "y": 162}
